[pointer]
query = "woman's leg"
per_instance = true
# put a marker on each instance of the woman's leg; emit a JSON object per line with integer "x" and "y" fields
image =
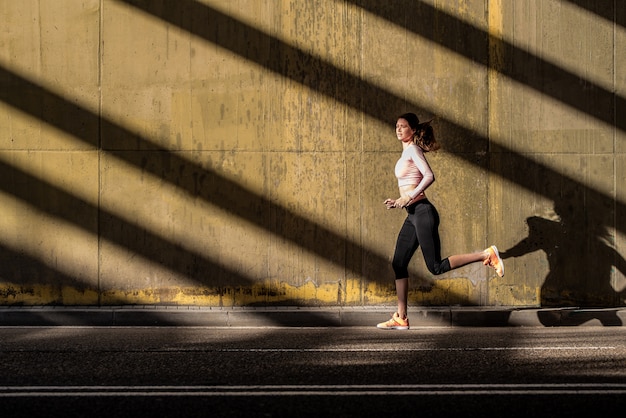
{"x": 490, "y": 257}
{"x": 402, "y": 290}
{"x": 406, "y": 245}
{"x": 460, "y": 260}
{"x": 427, "y": 227}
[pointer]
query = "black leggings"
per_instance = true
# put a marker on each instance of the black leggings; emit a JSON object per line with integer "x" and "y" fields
{"x": 420, "y": 228}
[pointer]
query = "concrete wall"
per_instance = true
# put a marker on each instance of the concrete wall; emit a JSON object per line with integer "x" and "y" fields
{"x": 237, "y": 153}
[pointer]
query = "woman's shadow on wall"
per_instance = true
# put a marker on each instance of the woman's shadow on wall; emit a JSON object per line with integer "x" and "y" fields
{"x": 581, "y": 256}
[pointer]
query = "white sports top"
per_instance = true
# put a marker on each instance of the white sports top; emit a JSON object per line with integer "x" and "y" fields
{"x": 413, "y": 169}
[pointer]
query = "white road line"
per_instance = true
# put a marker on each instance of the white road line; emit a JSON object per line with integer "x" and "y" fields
{"x": 392, "y": 349}
{"x": 316, "y": 390}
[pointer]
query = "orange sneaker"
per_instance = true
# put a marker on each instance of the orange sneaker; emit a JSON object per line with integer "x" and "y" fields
{"x": 494, "y": 261}
{"x": 395, "y": 323}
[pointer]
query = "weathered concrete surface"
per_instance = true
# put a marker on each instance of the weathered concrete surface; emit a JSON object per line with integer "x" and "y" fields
{"x": 237, "y": 153}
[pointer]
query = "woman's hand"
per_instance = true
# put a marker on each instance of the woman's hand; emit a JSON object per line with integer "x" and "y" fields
{"x": 390, "y": 203}
{"x": 397, "y": 203}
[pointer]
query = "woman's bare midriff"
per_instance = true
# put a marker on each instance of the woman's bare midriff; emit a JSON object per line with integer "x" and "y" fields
{"x": 406, "y": 189}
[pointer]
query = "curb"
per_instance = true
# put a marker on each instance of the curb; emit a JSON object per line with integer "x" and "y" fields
{"x": 163, "y": 316}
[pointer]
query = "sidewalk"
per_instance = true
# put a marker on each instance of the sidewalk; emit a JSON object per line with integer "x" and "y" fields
{"x": 306, "y": 317}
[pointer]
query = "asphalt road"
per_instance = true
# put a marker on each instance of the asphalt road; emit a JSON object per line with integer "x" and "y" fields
{"x": 299, "y": 372}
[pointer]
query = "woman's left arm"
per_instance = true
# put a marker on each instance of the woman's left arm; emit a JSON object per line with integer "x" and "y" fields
{"x": 417, "y": 155}
{"x": 428, "y": 177}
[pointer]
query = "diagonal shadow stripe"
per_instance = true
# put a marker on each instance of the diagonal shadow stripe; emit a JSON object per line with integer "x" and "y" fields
{"x": 17, "y": 267}
{"x": 607, "y": 10}
{"x": 520, "y": 65}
